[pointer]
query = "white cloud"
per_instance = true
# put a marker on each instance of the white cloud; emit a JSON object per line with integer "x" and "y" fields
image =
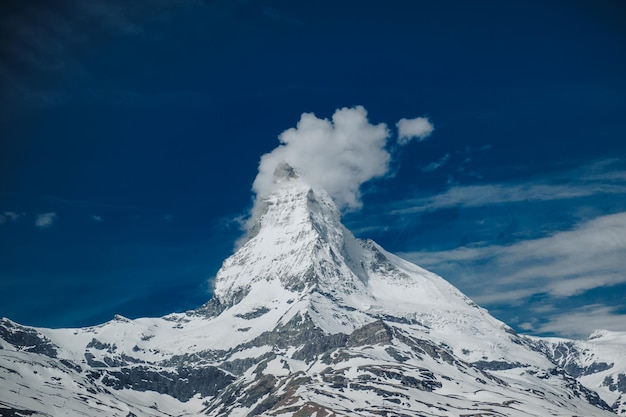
{"x": 408, "y": 129}
{"x": 338, "y": 155}
{"x": 45, "y": 220}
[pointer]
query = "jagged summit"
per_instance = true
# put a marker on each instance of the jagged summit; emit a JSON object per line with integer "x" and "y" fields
{"x": 289, "y": 222}
{"x": 298, "y": 244}
{"x": 284, "y": 172}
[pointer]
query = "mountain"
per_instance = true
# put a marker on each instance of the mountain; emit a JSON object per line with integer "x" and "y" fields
{"x": 308, "y": 320}
{"x": 598, "y": 362}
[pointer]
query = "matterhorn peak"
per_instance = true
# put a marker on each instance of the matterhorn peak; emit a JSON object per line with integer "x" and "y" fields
{"x": 290, "y": 195}
{"x": 284, "y": 172}
{"x": 296, "y": 229}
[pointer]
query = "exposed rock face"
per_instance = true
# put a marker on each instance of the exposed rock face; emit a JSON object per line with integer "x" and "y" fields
{"x": 567, "y": 355}
{"x": 26, "y": 339}
{"x": 306, "y": 320}
{"x": 617, "y": 383}
{"x": 182, "y": 383}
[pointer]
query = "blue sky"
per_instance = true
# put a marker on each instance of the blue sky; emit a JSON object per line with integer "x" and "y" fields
{"x": 131, "y": 136}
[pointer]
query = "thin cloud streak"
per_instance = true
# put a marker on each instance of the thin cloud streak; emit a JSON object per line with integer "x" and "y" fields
{"x": 9, "y": 216}
{"x": 604, "y": 177}
{"x": 484, "y": 195}
{"x": 433, "y": 166}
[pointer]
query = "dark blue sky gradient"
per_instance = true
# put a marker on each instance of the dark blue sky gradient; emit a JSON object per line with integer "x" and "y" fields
{"x": 153, "y": 115}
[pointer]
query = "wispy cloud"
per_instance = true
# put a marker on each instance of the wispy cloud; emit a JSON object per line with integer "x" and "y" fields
{"x": 596, "y": 179}
{"x": 433, "y": 166}
{"x": 13, "y": 215}
{"x": 492, "y": 194}
{"x": 9, "y": 216}
{"x": 45, "y": 220}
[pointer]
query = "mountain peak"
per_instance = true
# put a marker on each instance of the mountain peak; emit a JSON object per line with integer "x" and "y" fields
{"x": 284, "y": 172}
{"x": 296, "y": 226}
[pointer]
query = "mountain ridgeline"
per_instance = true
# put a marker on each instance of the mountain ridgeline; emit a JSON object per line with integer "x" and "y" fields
{"x": 307, "y": 320}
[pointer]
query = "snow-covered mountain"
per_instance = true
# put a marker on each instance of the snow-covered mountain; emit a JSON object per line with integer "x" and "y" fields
{"x": 598, "y": 362}
{"x": 308, "y": 320}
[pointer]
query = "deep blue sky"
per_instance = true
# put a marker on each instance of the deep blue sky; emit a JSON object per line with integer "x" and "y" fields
{"x": 140, "y": 125}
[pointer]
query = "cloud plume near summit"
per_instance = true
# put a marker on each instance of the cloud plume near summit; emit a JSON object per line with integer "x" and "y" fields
{"x": 338, "y": 155}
